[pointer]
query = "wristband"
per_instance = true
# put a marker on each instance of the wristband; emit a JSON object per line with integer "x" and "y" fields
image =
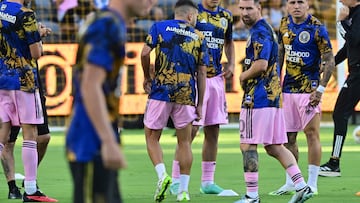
{"x": 320, "y": 89}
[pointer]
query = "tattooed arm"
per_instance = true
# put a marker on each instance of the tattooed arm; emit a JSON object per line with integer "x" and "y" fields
{"x": 327, "y": 66}
{"x": 281, "y": 56}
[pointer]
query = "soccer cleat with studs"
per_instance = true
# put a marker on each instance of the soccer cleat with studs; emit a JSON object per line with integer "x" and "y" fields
{"x": 38, "y": 196}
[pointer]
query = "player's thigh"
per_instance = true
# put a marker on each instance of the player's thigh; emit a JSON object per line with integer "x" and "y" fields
{"x": 4, "y": 132}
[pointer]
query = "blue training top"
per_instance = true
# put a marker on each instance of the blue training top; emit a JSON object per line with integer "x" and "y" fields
{"x": 102, "y": 42}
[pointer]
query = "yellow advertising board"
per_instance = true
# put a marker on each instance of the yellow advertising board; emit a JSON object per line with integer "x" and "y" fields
{"x": 56, "y": 67}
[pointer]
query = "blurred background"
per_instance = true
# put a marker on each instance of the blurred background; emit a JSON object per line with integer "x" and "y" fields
{"x": 65, "y": 17}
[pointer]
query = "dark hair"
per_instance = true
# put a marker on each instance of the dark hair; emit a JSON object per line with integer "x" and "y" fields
{"x": 258, "y": 1}
{"x": 190, "y": 3}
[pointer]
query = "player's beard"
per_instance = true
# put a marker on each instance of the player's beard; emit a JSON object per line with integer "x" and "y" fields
{"x": 248, "y": 21}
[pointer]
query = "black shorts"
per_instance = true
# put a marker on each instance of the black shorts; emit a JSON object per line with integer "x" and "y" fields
{"x": 43, "y": 129}
{"x": 92, "y": 180}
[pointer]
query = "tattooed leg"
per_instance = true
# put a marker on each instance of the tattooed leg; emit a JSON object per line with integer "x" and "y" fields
{"x": 250, "y": 159}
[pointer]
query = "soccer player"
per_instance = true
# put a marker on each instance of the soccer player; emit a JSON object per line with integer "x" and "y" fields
{"x": 216, "y": 25}
{"x": 19, "y": 89}
{"x": 181, "y": 60}
{"x": 261, "y": 117}
{"x": 349, "y": 96}
{"x": 92, "y": 141}
{"x": 7, "y": 156}
{"x": 305, "y": 46}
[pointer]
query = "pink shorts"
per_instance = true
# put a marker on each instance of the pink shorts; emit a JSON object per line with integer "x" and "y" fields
{"x": 157, "y": 114}
{"x": 214, "y": 109}
{"x": 19, "y": 107}
{"x": 262, "y": 126}
{"x": 297, "y": 112}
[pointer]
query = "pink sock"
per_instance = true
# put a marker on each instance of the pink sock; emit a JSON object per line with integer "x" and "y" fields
{"x": 175, "y": 171}
{"x": 296, "y": 176}
{"x": 251, "y": 181}
{"x": 30, "y": 159}
{"x": 208, "y": 171}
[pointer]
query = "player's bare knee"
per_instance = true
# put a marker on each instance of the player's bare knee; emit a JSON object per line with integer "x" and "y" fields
{"x": 271, "y": 151}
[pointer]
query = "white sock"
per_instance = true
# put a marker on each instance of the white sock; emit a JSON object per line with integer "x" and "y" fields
{"x": 160, "y": 169}
{"x": 313, "y": 176}
{"x": 206, "y": 183}
{"x": 175, "y": 180}
{"x": 289, "y": 182}
{"x": 184, "y": 183}
{"x": 252, "y": 194}
{"x": 30, "y": 187}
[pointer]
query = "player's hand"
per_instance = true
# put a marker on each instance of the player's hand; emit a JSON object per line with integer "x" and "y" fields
{"x": 315, "y": 98}
{"x": 43, "y": 30}
{"x": 112, "y": 156}
{"x": 147, "y": 86}
{"x": 228, "y": 70}
{"x": 198, "y": 112}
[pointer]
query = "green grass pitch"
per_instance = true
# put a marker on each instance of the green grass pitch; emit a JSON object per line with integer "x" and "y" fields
{"x": 138, "y": 181}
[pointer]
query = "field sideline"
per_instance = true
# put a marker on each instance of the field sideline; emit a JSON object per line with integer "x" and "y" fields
{"x": 139, "y": 179}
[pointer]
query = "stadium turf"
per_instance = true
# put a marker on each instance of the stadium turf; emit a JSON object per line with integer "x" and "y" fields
{"x": 139, "y": 179}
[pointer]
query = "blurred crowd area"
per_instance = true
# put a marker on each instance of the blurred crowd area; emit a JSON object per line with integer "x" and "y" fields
{"x": 65, "y": 17}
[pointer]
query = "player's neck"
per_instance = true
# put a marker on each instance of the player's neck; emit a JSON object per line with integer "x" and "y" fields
{"x": 299, "y": 20}
{"x": 120, "y": 8}
{"x": 212, "y": 9}
{"x": 17, "y": 1}
{"x": 356, "y": 4}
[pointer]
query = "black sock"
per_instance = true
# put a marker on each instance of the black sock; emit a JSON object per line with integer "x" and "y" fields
{"x": 12, "y": 185}
{"x": 334, "y": 162}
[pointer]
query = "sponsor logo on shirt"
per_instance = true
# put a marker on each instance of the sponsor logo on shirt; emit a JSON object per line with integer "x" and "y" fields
{"x": 212, "y": 42}
{"x": 7, "y": 17}
{"x": 294, "y": 56}
{"x": 184, "y": 32}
